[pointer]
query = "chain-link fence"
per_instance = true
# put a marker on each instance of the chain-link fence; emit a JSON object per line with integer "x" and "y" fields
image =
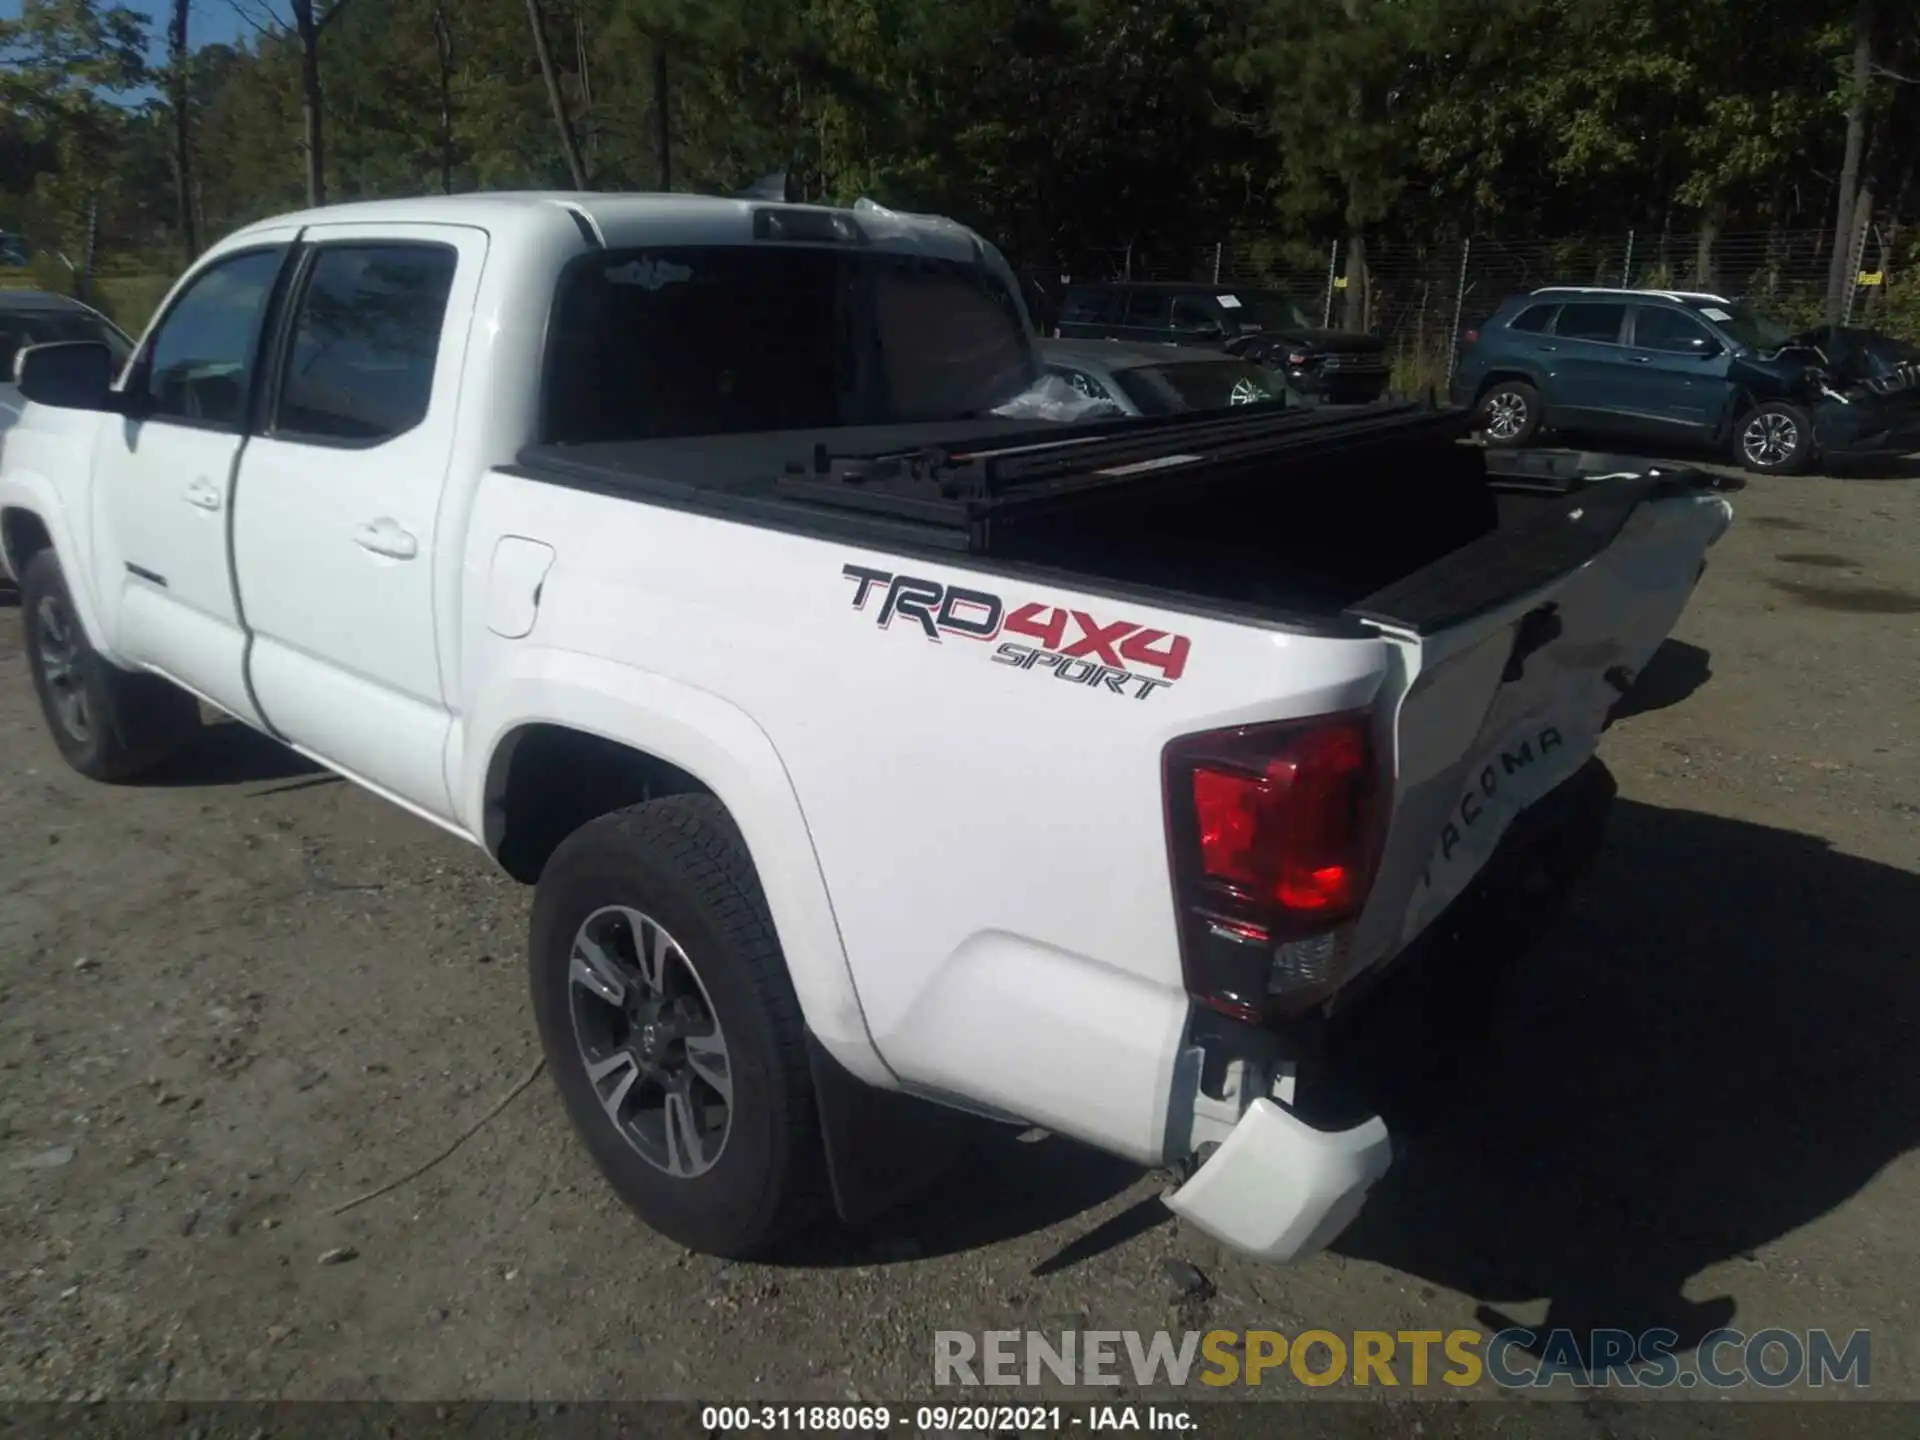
{"x": 1418, "y": 296}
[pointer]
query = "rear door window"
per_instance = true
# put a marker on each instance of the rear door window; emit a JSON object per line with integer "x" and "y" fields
{"x": 1092, "y": 305}
{"x": 1193, "y": 315}
{"x": 366, "y": 339}
{"x": 1151, "y": 309}
{"x": 1533, "y": 320}
{"x": 1587, "y": 320}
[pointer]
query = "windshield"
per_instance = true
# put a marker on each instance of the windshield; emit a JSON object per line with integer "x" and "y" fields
{"x": 648, "y": 344}
{"x": 1746, "y": 326}
{"x": 21, "y": 328}
{"x": 1268, "y": 311}
{"x": 1200, "y": 385}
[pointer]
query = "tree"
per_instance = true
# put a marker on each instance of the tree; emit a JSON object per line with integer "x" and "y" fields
{"x": 180, "y": 86}
{"x": 562, "y": 122}
{"x": 307, "y": 21}
{"x": 1846, "y": 229}
{"x": 63, "y": 66}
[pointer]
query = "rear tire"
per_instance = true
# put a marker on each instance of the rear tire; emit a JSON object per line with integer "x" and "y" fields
{"x": 655, "y": 973}
{"x": 1509, "y": 413}
{"x": 108, "y": 724}
{"x": 1774, "y": 439}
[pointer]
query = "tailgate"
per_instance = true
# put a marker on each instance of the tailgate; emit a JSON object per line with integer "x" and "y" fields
{"x": 1501, "y": 699}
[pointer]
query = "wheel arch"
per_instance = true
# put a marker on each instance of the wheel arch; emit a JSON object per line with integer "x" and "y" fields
{"x": 32, "y": 521}
{"x": 613, "y": 736}
{"x": 1500, "y": 374}
{"x": 23, "y": 534}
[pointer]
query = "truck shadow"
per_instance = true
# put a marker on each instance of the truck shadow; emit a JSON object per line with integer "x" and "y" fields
{"x": 1714, "y": 1047}
{"x": 1676, "y": 670}
{"x": 225, "y": 752}
{"x": 1001, "y": 1189}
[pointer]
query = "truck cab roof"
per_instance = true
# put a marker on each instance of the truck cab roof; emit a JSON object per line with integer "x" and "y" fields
{"x": 615, "y": 220}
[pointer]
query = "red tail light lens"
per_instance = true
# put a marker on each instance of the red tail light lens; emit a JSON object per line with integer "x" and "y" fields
{"x": 1472, "y": 337}
{"x": 1290, "y": 834}
{"x": 1272, "y": 834}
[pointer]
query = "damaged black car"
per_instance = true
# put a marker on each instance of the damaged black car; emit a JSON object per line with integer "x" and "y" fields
{"x": 1681, "y": 368}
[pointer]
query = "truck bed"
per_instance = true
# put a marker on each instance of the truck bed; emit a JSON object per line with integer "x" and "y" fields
{"x": 1319, "y": 519}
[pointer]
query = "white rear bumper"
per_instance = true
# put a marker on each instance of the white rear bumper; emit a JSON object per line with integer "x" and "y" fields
{"x": 1277, "y": 1189}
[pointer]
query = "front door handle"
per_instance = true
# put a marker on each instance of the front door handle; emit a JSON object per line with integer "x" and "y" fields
{"x": 203, "y": 494}
{"x": 385, "y": 537}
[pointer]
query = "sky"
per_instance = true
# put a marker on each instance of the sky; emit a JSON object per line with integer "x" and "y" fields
{"x": 212, "y": 22}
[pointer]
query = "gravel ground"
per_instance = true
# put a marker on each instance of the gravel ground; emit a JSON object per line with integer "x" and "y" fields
{"x": 234, "y": 999}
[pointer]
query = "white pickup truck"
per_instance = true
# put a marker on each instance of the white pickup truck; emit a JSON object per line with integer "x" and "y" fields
{"x": 877, "y": 757}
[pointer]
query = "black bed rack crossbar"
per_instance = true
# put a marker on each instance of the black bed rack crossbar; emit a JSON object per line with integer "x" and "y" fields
{"x": 964, "y": 488}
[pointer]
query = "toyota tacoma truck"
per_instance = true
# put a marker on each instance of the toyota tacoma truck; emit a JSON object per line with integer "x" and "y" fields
{"x": 886, "y": 761}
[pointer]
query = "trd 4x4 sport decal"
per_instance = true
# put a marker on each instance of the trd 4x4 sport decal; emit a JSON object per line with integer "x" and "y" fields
{"x": 1068, "y": 644}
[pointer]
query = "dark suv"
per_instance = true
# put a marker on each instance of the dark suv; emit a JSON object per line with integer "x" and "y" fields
{"x": 1673, "y": 366}
{"x": 1260, "y": 325}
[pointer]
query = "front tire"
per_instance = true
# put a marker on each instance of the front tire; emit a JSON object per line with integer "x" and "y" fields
{"x": 1774, "y": 439}
{"x": 1509, "y": 414}
{"x": 108, "y": 724}
{"x": 671, "y": 1025}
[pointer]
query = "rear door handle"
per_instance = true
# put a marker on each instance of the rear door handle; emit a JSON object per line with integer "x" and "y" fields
{"x": 385, "y": 537}
{"x": 203, "y": 494}
{"x": 1643, "y": 359}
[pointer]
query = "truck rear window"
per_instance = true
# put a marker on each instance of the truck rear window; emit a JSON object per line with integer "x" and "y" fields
{"x": 1200, "y": 385}
{"x": 658, "y": 343}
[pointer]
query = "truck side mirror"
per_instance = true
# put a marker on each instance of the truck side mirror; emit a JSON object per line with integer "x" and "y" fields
{"x": 70, "y": 374}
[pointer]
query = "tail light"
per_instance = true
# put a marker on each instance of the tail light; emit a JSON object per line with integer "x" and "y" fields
{"x": 1297, "y": 358}
{"x": 1272, "y": 832}
{"x": 1471, "y": 337}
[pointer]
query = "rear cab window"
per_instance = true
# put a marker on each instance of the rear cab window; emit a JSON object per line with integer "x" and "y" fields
{"x": 684, "y": 341}
{"x": 1200, "y": 385}
{"x": 1080, "y": 380}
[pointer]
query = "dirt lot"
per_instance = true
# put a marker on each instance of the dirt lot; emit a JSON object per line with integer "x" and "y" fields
{"x": 236, "y": 998}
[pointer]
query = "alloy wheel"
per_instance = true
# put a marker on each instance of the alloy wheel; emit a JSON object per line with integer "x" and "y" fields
{"x": 650, "y": 1041}
{"x": 1770, "y": 439}
{"x": 55, "y": 637}
{"x": 1506, "y": 414}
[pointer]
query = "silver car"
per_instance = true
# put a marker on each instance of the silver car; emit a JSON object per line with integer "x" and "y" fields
{"x": 1148, "y": 379}
{"x": 35, "y": 317}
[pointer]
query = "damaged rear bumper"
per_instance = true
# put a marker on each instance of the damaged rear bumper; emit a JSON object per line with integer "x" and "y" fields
{"x": 1294, "y": 1171}
{"x": 1278, "y": 1189}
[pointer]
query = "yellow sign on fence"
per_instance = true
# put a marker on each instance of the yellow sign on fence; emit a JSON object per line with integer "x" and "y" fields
{"x": 1873, "y": 277}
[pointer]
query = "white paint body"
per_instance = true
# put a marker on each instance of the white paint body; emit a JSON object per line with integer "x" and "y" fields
{"x": 965, "y": 862}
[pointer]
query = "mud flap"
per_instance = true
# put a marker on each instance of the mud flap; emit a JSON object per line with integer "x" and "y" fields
{"x": 882, "y": 1146}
